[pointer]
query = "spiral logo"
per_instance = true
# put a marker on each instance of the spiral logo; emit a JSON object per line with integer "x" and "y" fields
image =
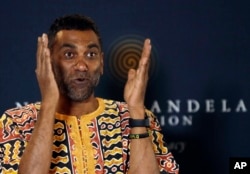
{"x": 124, "y": 54}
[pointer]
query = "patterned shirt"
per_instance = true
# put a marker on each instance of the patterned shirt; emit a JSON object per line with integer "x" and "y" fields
{"x": 94, "y": 142}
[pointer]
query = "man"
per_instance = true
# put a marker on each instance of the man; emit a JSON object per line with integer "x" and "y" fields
{"x": 71, "y": 130}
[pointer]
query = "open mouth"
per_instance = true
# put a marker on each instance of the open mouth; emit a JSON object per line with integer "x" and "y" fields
{"x": 80, "y": 81}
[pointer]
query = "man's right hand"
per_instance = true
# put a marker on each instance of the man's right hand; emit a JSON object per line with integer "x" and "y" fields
{"x": 45, "y": 76}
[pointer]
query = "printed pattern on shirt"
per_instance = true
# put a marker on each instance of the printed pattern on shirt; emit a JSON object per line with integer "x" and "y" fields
{"x": 16, "y": 126}
{"x": 110, "y": 133}
{"x": 107, "y": 150}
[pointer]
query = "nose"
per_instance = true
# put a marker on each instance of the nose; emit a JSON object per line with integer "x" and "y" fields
{"x": 81, "y": 65}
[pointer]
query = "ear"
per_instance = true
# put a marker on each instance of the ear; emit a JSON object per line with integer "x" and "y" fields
{"x": 102, "y": 63}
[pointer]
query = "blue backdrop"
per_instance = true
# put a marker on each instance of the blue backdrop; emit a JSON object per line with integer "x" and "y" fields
{"x": 199, "y": 85}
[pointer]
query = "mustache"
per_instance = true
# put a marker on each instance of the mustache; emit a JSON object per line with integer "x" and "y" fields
{"x": 80, "y": 75}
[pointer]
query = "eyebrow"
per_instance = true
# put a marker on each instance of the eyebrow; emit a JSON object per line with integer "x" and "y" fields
{"x": 67, "y": 45}
{"x": 92, "y": 45}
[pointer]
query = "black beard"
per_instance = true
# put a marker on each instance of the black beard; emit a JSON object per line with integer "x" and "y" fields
{"x": 82, "y": 94}
{"x": 68, "y": 89}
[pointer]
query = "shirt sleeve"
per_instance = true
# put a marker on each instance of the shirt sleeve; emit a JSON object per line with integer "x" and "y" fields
{"x": 166, "y": 161}
{"x": 16, "y": 126}
{"x": 10, "y": 145}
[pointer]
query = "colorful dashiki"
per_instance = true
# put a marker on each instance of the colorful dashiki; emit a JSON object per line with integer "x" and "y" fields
{"x": 96, "y": 143}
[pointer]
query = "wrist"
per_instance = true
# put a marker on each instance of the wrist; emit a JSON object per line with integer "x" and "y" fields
{"x": 138, "y": 130}
{"x": 145, "y": 122}
{"x": 137, "y": 112}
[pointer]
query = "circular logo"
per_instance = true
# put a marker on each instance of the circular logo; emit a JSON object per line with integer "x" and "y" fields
{"x": 124, "y": 54}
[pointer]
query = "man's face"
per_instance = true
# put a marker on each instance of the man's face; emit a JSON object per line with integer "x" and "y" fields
{"x": 77, "y": 63}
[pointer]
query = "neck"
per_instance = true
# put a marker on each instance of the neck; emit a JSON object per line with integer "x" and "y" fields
{"x": 73, "y": 108}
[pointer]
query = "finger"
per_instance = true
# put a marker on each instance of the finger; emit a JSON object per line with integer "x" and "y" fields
{"x": 47, "y": 65}
{"x": 142, "y": 71}
{"x": 45, "y": 54}
{"x": 41, "y": 45}
{"x": 38, "y": 53}
{"x": 131, "y": 74}
{"x": 146, "y": 48}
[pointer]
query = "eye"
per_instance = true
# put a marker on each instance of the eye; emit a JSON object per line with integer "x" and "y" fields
{"x": 69, "y": 55}
{"x": 92, "y": 54}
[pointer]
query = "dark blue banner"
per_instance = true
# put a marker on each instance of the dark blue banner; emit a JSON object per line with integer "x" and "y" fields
{"x": 199, "y": 77}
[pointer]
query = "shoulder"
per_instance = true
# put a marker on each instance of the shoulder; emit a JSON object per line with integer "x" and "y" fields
{"x": 114, "y": 107}
{"x": 111, "y": 102}
{"x": 122, "y": 106}
{"x": 29, "y": 110}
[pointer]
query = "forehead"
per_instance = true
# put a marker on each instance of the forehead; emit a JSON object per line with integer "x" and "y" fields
{"x": 76, "y": 36}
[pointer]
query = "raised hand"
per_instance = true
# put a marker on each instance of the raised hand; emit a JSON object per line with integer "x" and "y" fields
{"x": 46, "y": 80}
{"x": 135, "y": 88}
{"x": 40, "y": 144}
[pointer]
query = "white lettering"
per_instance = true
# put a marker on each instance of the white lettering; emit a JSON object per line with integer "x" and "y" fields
{"x": 155, "y": 107}
{"x": 173, "y": 120}
{"x": 187, "y": 120}
{"x": 243, "y": 164}
{"x": 162, "y": 120}
{"x": 241, "y": 106}
{"x": 237, "y": 165}
{"x": 209, "y": 106}
{"x": 224, "y": 108}
{"x": 19, "y": 105}
{"x": 173, "y": 106}
{"x": 240, "y": 165}
{"x": 192, "y": 106}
